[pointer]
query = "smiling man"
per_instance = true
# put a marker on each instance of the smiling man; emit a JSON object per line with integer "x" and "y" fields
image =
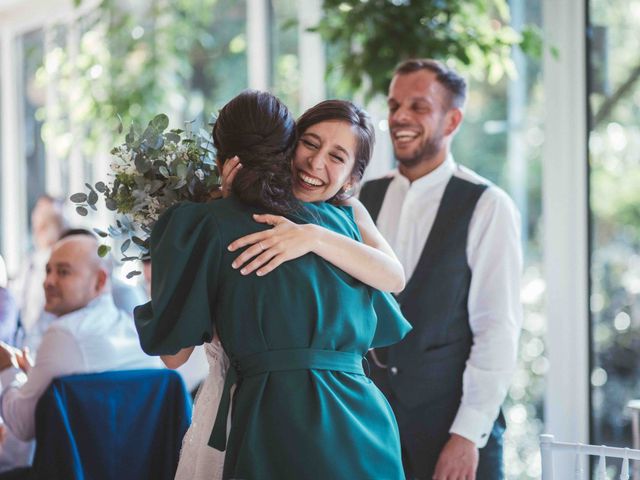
{"x": 458, "y": 238}
{"x": 89, "y": 334}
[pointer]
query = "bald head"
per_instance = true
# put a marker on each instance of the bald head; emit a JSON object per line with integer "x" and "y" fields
{"x": 75, "y": 275}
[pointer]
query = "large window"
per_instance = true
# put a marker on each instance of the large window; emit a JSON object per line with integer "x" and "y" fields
{"x": 78, "y": 71}
{"x": 614, "y": 143}
{"x": 33, "y": 98}
{"x": 83, "y": 70}
{"x": 501, "y": 139}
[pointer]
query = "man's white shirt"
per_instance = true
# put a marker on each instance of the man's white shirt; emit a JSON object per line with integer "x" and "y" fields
{"x": 96, "y": 338}
{"x": 494, "y": 256}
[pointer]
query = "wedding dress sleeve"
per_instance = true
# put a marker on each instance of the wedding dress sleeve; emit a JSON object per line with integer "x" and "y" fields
{"x": 185, "y": 252}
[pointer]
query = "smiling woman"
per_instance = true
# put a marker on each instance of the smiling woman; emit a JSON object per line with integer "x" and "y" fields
{"x": 335, "y": 144}
{"x": 323, "y": 162}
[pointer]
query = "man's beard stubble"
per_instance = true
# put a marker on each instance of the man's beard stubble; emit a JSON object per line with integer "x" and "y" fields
{"x": 426, "y": 152}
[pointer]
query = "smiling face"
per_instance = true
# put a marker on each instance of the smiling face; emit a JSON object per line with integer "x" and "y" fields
{"x": 421, "y": 121}
{"x": 75, "y": 275}
{"x": 323, "y": 161}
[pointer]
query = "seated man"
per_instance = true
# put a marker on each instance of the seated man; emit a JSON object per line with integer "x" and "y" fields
{"x": 88, "y": 335}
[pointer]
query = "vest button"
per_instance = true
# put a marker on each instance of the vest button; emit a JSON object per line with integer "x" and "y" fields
{"x": 394, "y": 370}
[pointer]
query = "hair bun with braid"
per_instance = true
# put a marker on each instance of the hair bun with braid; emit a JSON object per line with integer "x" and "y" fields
{"x": 258, "y": 128}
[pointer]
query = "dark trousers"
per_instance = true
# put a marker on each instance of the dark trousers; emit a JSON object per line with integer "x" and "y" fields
{"x": 421, "y": 447}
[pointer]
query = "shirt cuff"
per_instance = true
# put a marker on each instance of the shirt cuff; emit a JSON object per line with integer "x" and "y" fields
{"x": 472, "y": 425}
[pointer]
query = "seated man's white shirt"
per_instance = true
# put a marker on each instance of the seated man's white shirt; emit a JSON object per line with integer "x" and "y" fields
{"x": 96, "y": 338}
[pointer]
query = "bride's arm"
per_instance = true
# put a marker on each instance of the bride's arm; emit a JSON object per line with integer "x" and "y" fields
{"x": 178, "y": 359}
{"x": 372, "y": 262}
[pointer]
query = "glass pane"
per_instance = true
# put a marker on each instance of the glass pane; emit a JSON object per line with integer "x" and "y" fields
{"x": 220, "y": 63}
{"x": 286, "y": 71}
{"x": 33, "y": 99}
{"x": 133, "y": 61}
{"x": 614, "y": 142}
{"x": 501, "y": 139}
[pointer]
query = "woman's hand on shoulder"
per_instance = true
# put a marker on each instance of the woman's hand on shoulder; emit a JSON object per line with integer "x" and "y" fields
{"x": 228, "y": 171}
{"x": 269, "y": 249}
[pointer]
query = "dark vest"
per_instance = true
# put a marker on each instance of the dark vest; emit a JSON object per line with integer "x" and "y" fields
{"x": 427, "y": 366}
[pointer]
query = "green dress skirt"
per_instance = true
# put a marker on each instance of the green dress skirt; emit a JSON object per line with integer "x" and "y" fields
{"x": 303, "y": 407}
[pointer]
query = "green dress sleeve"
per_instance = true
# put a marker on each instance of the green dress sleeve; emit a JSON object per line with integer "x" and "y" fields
{"x": 391, "y": 326}
{"x": 185, "y": 256}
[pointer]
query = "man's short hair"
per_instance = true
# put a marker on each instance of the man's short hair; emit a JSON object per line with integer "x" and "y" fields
{"x": 451, "y": 80}
{"x": 105, "y": 262}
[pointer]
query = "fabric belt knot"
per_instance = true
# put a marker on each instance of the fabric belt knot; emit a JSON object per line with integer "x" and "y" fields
{"x": 275, "y": 361}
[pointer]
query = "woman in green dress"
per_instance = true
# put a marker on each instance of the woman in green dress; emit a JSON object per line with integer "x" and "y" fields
{"x": 302, "y": 407}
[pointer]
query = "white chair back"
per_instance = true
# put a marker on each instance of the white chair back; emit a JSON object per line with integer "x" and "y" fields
{"x": 581, "y": 453}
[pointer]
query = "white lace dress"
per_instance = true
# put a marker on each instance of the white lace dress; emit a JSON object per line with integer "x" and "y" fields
{"x": 198, "y": 461}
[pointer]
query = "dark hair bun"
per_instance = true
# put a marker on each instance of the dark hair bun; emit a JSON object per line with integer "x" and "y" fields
{"x": 258, "y": 128}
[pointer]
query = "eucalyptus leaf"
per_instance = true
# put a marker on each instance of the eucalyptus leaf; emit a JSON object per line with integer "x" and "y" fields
{"x": 89, "y": 186}
{"x": 111, "y": 204}
{"x": 204, "y": 134}
{"x": 160, "y": 122}
{"x": 113, "y": 232}
{"x": 180, "y": 183}
{"x": 101, "y": 233}
{"x": 142, "y": 165}
{"x": 133, "y": 273}
{"x": 155, "y": 186}
{"x": 156, "y": 142}
{"x": 172, "y": 137}
{"x": 93, "y": 198}
{"x": 181, "y": 170}
{"x": 138, "y": 241}
{"x": 78, "y": 197}
{"x": 103, "y": 250}
{"x": 101, "y": 187}
{"x": 130, "y": 137}
{"x": 125, "y": 245}
{"x": 120, "y": 124}
{"x": 82, "y": 211}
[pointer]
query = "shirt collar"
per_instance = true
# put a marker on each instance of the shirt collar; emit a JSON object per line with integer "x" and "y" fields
{"x": 103, "y": 301}
{"x": 441, "y": 174}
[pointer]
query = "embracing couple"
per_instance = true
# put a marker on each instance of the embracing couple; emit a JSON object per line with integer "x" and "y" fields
{"x": 290, "y": 276}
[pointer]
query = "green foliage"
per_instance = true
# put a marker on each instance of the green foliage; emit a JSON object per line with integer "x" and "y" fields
{"x": 129, "y": 60}
{"x": 152, "y": 170}
{"x": 371, "y": 37}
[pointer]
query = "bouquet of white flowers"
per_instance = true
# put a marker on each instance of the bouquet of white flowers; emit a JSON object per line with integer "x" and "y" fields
{"x": 151, "y": 171}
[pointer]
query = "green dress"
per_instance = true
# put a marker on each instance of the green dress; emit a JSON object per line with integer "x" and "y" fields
{"x": 302, "y": 408}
